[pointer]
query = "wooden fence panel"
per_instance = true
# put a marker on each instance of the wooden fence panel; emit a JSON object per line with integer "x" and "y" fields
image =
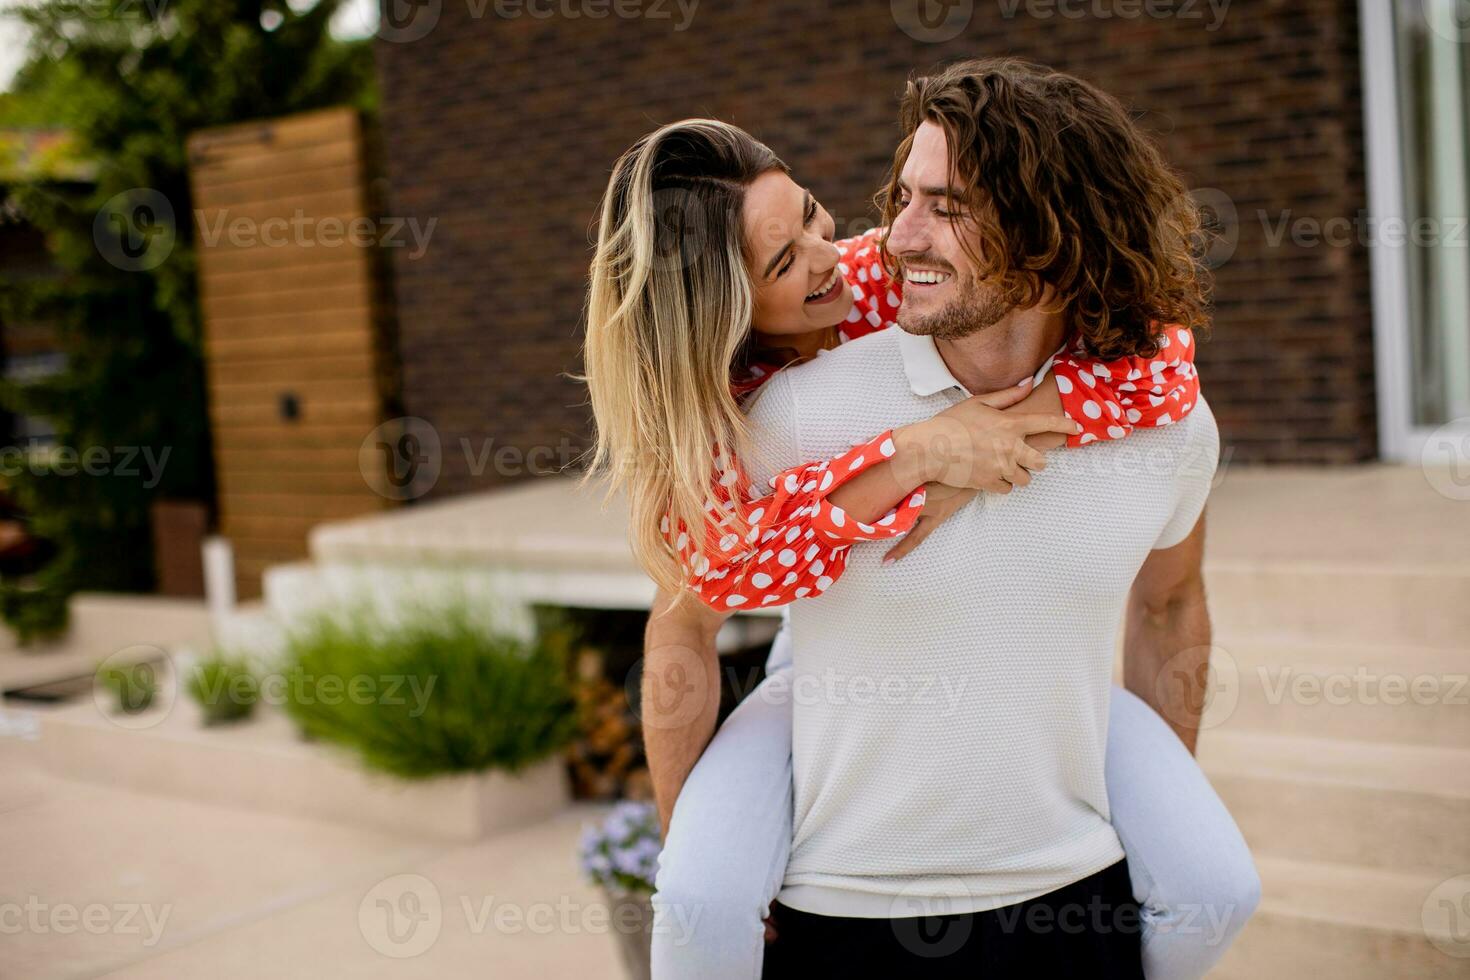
{"x": 291, "y": 320}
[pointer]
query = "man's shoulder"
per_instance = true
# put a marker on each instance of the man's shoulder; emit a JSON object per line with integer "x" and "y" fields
{"x": 1197, "y": 432}
{"x": 1186, "y": 450}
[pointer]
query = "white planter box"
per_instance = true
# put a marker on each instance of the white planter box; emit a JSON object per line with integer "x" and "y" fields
{"x": 263, "y": 764}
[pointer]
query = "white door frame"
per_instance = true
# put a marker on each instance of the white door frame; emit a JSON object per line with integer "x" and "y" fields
{"x": 1399, "y": 438}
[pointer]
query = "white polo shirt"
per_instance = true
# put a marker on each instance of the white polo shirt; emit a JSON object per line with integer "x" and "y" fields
{"x": 950, "y": 710}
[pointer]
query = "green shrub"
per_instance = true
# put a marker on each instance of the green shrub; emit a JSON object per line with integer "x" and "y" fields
{"x": 226, "y": 688}
{"x": 435, "y": 692}
{"x": 35, "y": 611}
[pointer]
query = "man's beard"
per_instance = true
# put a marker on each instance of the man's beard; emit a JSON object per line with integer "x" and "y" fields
{"x": 975, "y": 308}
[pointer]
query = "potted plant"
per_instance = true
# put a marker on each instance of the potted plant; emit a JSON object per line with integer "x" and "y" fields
{"x": 225, "y": 688}
{"x": 620, "y": 856}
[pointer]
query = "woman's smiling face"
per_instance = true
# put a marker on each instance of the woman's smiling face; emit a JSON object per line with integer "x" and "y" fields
{"x": 792, "y": 261}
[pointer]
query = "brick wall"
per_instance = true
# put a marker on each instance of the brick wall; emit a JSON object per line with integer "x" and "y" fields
{"x": 504, "y": 130}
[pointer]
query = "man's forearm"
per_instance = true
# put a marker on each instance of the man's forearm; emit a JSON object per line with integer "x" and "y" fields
{"x": 1166, "y": 658}
{"x": 681, "y": 694}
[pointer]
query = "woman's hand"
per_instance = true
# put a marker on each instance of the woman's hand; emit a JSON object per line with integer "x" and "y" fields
{"x": 976, "y": 445}
{"x": 941, "y": 502}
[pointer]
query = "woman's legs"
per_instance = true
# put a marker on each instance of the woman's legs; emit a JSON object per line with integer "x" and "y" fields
{"x": 1191, "y": 869}
{"x": 727, "y": 845}
{"x": 730, "y": 836}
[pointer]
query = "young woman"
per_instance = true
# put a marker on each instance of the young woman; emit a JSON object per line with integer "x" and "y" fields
{"x": 699, "y": 291}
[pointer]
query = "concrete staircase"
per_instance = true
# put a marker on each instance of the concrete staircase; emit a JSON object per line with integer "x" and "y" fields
{"x": 1339, "y": 735}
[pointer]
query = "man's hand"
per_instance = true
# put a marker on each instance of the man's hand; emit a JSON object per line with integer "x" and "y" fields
{"x": 979, "y": 445}
{"x": 681, "y": 692}
{"x": 1022, "y": 402}
{"x": 1166, "y": 644}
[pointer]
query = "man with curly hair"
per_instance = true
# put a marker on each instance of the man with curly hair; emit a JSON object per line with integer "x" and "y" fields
{"x": 950, "y": 710}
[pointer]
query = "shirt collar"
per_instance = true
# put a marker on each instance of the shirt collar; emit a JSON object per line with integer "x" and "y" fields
{"x": 927, "y": 372}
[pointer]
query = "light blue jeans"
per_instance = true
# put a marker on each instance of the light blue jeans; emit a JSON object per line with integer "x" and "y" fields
{"x": 725, "y": 854}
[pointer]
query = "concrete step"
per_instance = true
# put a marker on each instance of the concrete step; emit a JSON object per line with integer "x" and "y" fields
{"x": 1394, "y": 807}
{"x": 1395, "y": 693}
{"x": 1348, "y": 923}
{"x": 1414, "y": 603}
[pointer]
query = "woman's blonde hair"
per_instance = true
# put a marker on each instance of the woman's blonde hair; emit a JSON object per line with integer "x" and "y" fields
{"x": 668, "y": 313}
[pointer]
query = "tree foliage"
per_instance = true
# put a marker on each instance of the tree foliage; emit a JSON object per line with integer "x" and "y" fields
{"x": 129, "y": 81}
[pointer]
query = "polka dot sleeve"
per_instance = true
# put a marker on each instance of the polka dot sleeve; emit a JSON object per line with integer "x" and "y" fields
{"x": 1112, "y": 398}
{"x": 797, "y": 540}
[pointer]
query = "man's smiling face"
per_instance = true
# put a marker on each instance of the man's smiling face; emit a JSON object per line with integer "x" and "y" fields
{"x": 943, "y": 295}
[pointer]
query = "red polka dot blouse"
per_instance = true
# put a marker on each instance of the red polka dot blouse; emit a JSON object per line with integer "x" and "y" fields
{"x": 797, "y": 541}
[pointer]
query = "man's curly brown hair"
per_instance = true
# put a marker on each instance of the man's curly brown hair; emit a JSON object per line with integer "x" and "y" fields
{"x": 1065, "y": 191}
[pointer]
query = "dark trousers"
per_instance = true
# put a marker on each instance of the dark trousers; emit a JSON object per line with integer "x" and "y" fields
{"x": 1089, "y": 929}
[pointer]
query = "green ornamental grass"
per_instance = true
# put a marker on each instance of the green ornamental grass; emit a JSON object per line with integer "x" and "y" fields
{"x": 434, "y": 692}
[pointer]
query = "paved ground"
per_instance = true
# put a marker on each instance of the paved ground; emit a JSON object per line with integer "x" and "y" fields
{"x": 98, "y": 882}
